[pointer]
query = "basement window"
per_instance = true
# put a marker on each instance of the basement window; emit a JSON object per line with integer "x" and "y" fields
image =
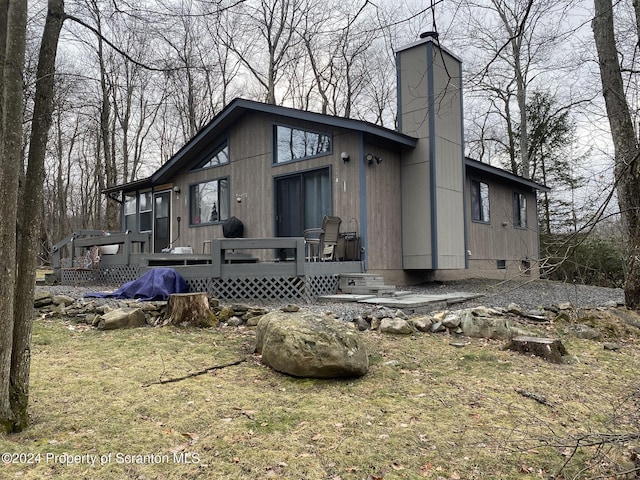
{"x": 501, "y": 264}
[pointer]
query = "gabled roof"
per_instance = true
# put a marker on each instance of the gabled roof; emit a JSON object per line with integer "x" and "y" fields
{"x": 238, "y": 107}
{"x": 504, "y": 174}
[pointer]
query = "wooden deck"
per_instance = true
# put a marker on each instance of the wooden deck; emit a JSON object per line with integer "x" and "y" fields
{"x": 240, "y": 268}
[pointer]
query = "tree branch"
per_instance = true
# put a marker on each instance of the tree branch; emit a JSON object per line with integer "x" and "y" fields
{"x": 195, "y": 374}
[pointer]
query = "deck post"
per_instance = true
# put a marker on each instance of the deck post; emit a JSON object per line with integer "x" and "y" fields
{"x": 300, "y": 257}
{"x": 216, "y": 258}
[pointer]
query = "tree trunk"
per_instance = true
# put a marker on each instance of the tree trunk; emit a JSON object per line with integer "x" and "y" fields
{"x": 28, "y": 241}
{"x": 627, "y": 152}
{"x": 10, "y": 165}
{"x": 191, "y": 309}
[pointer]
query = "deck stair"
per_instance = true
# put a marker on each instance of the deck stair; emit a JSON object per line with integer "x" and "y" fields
{"x": 364, "y": 284}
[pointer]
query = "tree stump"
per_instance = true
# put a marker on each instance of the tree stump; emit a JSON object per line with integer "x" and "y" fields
{"x": 190, "y": 309}
{"x": 547, "y": 348}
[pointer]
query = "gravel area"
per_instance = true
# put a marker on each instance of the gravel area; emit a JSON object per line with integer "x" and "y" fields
{"x": 527, "y": 294}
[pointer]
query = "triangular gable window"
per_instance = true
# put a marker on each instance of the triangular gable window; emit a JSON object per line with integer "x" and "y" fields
{"x": 219, "y": 156}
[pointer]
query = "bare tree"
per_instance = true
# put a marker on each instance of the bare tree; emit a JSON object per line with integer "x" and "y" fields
{"x": 625, "y": 138}
{"x": 18, "y": 259}
{"x": 14, "y": 24}
{"x": 270, "y": 37}
{"x": 514, "y": 46}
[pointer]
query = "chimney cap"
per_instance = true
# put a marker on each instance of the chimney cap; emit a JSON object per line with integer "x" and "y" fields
{"x": 430, "y": 34}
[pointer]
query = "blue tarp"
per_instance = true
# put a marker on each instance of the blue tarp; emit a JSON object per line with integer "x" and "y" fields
{"x": 156, "y": 284}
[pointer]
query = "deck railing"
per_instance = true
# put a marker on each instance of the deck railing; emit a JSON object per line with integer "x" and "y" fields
{"x": 225, "y": 272}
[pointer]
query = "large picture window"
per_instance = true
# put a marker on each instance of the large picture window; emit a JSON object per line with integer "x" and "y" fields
{"x": 219, "y": 156}
{"x": 519, "y": 210}
{"x": 295, "y": 144}
{"x": 479, "y": 201}
{"x": 209, "y": 202}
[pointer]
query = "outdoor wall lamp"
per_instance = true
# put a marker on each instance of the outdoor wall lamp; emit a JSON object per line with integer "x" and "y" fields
{"x": 240, "y": 196}
{"x": 370, "y": 158}
{"x": 176, "y": 189}
{"x": 345, "y": 157}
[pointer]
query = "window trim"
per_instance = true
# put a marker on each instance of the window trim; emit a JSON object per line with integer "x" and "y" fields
{"x": 219, "y": 221}
{"x": 274, "y": 140}
{"x": 480, "y": 204}
{"x": 212, "y": 153}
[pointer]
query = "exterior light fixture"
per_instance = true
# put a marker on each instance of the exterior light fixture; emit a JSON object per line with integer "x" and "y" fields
{"x": 370, "y": 158}
{"x": 345, "y": 157}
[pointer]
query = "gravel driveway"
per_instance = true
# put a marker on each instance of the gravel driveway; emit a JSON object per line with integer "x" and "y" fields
{"x": 527, "y": 294}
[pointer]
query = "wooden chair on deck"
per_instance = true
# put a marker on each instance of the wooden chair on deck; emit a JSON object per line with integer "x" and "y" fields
{"x": 321, "y": 242}
{"x": 85, "y": 267}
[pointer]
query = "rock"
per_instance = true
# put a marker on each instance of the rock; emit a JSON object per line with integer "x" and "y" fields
{"x": 438, "y": 327}
{"x": 482, "y": 311}
{"x": 63, "y": 300}
{"x": 514, "y": 308}
{"x": 253, "y": 321}
{"x": 42, "y": 298}
{"x": 451, "y": 321}
{"x": 535, "y": 316}
{"x": 396, "y": 326}
{"x": 440, "y": 316}
{"x": 422, "y": 324}
{"x": 400, "y": 314}
{"x": 304, "y": 344}
{"x": 240, "y": 308}
{"x": 121, "y": 318}
{"x": 585, "y": 332}
{"x": 565, "y": 306}
{"x": 225, "y": 314}
{"x": 627, "y": 316}
{"x": 361, "y": 323}
{"x": 234, "y": 322}
{"x": 613, "y": 347}
{"x": 290, "y": 308}
{"x": 485, "y": 327}
{"x": 375, "y": 323}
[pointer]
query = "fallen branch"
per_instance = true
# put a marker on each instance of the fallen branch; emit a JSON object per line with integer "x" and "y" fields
{"x": 534, "y": 396}
{"x": 195, "y": 374}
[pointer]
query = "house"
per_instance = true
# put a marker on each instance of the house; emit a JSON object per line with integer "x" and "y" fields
{"x": 414, "y": 207}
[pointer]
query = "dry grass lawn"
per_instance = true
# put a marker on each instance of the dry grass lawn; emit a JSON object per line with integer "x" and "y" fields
{"x": 426, "y": 409}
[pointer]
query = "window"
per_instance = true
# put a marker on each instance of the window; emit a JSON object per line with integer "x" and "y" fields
{"x": 519, "y": 210}
{"x": 218, "y": 156}
{"x": 130, "y": 212}
{"x": 479, "y": 201}
{"x": 501, "y": 264}
{"x": 209, "y": 202}
{"x": 146, "y": 212}
{"x": 294, "y": 144}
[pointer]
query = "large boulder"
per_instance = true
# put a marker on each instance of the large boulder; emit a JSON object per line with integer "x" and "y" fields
{"x": 485, "y": 327}
{"x": 120, "y": 318}
{"x": 305, "y": 344}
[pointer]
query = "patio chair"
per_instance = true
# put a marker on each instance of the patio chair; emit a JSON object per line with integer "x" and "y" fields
{"x": 321, "y": 242}
{"x": 85, "y": 268}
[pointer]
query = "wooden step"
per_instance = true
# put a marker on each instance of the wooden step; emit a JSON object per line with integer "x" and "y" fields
{"x": 376, "y": 290}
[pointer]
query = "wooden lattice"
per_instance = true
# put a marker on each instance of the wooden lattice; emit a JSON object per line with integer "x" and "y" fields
{"x": 117, "y": 274}
{"x": 242, "y": 288}
{"x": 319, "y": 285}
